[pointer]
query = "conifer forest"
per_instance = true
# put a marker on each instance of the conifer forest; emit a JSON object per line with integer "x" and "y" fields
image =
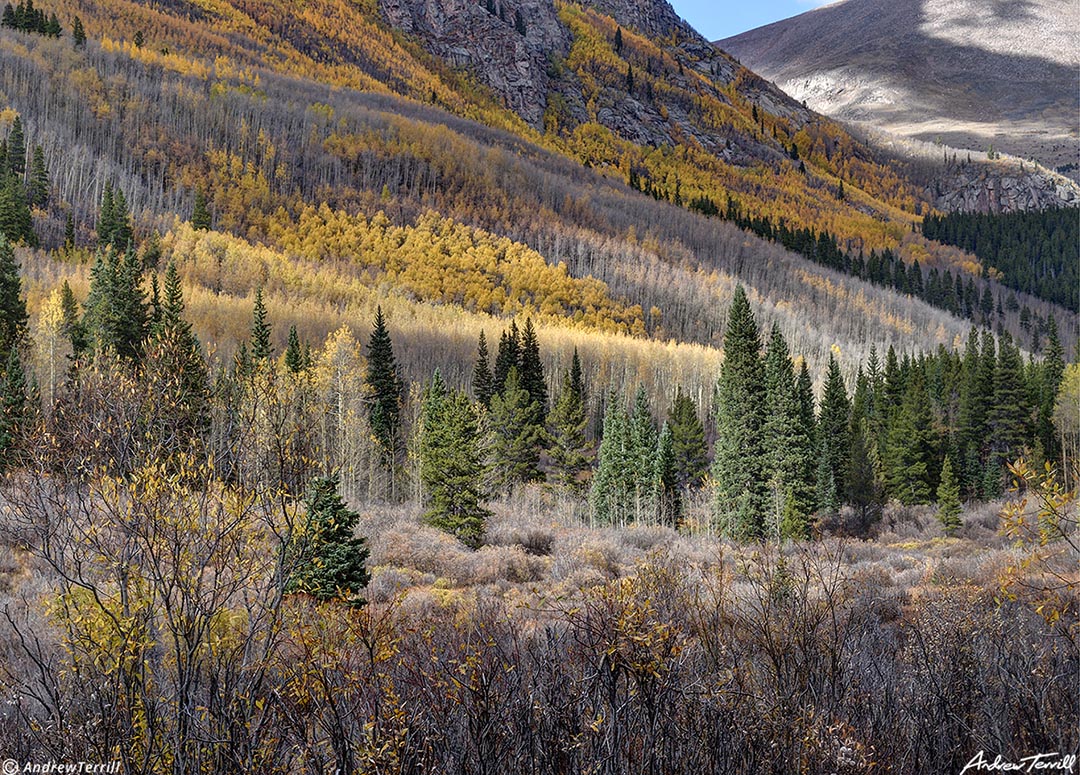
{"x": 363, "y": 410}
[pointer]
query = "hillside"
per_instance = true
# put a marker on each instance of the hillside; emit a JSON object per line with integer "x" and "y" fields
{"x": 963, "y": 73}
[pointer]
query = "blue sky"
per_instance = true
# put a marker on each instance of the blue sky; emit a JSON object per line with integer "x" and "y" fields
{"x": 716, "y": 20}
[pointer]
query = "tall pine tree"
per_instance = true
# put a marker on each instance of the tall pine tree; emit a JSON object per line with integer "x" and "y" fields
{"x": 12, "y": 306}
{"x": 385, "y": 391}
{"x": 739, "y": 464}
{"x": 483, "y": 381}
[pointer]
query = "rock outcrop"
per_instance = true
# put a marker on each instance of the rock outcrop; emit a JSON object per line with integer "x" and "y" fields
{"x": 1001, "y": 188}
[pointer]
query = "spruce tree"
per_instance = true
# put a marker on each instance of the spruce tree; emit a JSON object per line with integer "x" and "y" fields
{"x": 115, "y": 316}
{"x": 13, "y": 317}
{"x": 176, "y": 370}
{"x": 689, "y": 447}
{"x": 72, "y": 327}
{"x": 531, "y": 373}
{"x": 16, "y": 147}
{"x": 385, "y": 391}
{"x": 37, "y": 186}
{"x": 666, "y": 492}
{"x": 14, "y": 407}
{"x": 739, "y": 464}
{"x": 1011, "y": 410}
{"x": 327, "y": 558}
{"x": 514, "y": 448}
{"x": 78, "y": 33}
{"x": 787, "y": 444}
{"x": 508, "y": 356}
{"x": 618, "y": 40}
{"x": 641, "y": 455}
{"x": 16, "y": 222}
{"x": 1051, "y": 375}
{"x": 261, "y": 348}
{"x": 948, "y": 499}
{"x": 200, "y": 214}
{"x": 106, "y": 224}
{"x": 569, "y": 448}
{"x": 451, "y": 470}
{"x": 483, "y": 381}
{"x": 910, "y": 453}
{"x": 610, "y": 495}
{"x": 122, "y": 234}
{"x": 834, "y": 432}
{"x": 294, "y": 353}
{"x": 864, "y": 486}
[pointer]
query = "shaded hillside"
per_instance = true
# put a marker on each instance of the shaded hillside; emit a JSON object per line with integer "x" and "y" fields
{"x": 968, "y": 74}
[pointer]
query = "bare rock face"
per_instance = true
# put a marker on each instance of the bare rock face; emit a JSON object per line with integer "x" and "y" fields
{"x": 490, "y": 44}
{"x": 1002, "y": 188}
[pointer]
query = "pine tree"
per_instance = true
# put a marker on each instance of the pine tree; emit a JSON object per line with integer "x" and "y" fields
{"x": 739, "y": 465}
{"x": 106, "y": 224}
{"x": 567, "y": 423}
{"x": 483, "y": 381}
{"x": 16, "y": 222}
{"x": 294, "y": 353}
{"x": 514, "y": 449}
{"x": 13, "y": 316}
{"x": 328, "y": 559}
{"x": 948, "y": 499}
{"x": 385, "y": 391}
{"x": 630, "y": 79}
{"x": 834, "y": 432}
{"x": 121, "y": 236}
{"x": 450, "y": 466}
{"x": 531, "y": 372}
{"x": 78, "y": 33}
{"x": 1011, "y": 411}
{"x": 200, "y": 214}
{"x": 910, "y": 447}
{"x": 8, "y": 18}
{"x": 787, "y": 445}
{"x": 38, "y": 183}
{"x": 666, "y": 492}
{"x": 261, "y": 348}
{"x": 16, "y": 147}
{"x": 689, "y": 448}
{"x": 618, "y": 40}
{"x": 72, "y": 326}
{"x": 864, "y": 486}
{"x": 610, "y": 496}
{"x": 1051, "y": 375}
{"x": 509, "y": 355}
{"x": 14, "y": 407}
{"x": 577, "y": 379}
{"x": 641, "y": 455}
{"x": 176, "y": 370}
{"x": 115, "y": 316}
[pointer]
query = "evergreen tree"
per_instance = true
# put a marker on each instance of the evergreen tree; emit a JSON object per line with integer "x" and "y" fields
{"x": 200, "y": 214}
{"x": 577, "y": 379}
{"x": 641, "y": 455}
{"x": 509, "y": 355}
{"x": 630, "y": 79}
{"x": 864, "y": 487}
{"x": 16, "y": 147}
{"x": 294, "y": 353}
{"x": 910, "y": 446}
{"x": 689, "y": 448}
{"x": 739, "y": 464}
{"x": 115, "y": 315}
{"x": 531, "y": 372}
{"x": 261, "y": 348}
{"x": 38, "y": 184}
{"x": 328, "y": 559}
{"x": 1051, "y": 376}
{"x": 78, "y": 33}
{"x": 450, "y": 466}
{"x": 106, "y": 224}
{"x": 567, "y": 423}
{"x": 14, "y": 406}
{"x": 515, "y": 439}
{"x": 122, "y": 235}
{"x": 666, "y": 492}
{"x": 804, "y": 391}
{"x": 1011, "y": 411}
{"x": 834, "y": 432}
{"x": 16, "y": 222}
{"x": 176, "y": 370}
{"x": 610, "y": 495}
{"x": 483, "y": 381}
{"x": 948, "y": 499}
{"x": 13, "y": 316}
{"x": 385, "y": 391}
{"x": 787, "y": 444}
{"x": 618, "y": 40}
{"x": 8, "y": 18}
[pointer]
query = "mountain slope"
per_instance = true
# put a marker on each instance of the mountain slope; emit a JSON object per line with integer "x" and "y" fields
{"x": 288, "y": 122}
{"x": 966, "y": 73}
